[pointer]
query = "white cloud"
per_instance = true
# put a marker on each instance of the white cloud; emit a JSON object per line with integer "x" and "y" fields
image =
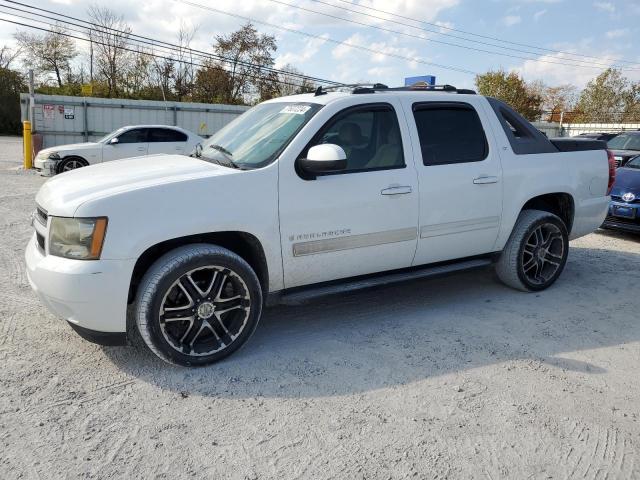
{"x": 538, "y": 14}
{"x": 606, "y": 6}
{"x": 511, "y": 20}
{"x": 555, "y": 74}
{"x": 301, "y": 55}
{"x": 620, "y": 32}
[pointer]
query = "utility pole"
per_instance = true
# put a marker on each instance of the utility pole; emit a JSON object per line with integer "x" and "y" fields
{"x": 32, "y": 100}
{"x": 90, "y": 57}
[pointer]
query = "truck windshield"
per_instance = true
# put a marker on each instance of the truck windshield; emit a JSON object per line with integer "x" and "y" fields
{"x": 625, "y": 142}
{"x": 258, "y": 136}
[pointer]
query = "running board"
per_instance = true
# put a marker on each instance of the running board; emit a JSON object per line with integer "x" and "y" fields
{"x": 306, "y": 294}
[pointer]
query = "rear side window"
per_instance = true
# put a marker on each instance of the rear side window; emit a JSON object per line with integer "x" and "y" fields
{"x": 166, "y": 135}
{"x": 449, "y": 133}
{"x": 136, "y": 135}
{"x": 525, "y": 139}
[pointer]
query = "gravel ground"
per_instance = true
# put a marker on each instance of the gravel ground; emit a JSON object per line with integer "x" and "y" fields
{"x": 451, "y": 378}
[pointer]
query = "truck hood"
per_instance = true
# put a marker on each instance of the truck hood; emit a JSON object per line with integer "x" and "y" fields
{"x": 64, "y": 193}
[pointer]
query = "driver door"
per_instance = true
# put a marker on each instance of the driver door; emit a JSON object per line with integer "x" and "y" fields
{"x": 359, "y": 220}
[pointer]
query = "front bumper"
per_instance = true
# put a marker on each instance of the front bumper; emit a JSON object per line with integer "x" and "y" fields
{"x": 623, "y": 223}
{"x": 91, "y": 295}
{"x": 45, "y": 167}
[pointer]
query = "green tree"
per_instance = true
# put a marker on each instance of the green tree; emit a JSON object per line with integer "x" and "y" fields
{"x": 247, "y": 51}
{"x": 605, "y": 98}
{"x": 212, "y": 83}
{"x": 512, "y": 89}
{"x": 11, "y": 84}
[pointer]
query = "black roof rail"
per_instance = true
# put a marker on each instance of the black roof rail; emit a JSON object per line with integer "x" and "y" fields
{"x": 425, "y": 87}
{"x": 376, "y": 87}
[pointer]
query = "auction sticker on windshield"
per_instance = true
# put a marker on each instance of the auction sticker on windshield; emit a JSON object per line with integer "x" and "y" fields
{"x": 297, "y": 109}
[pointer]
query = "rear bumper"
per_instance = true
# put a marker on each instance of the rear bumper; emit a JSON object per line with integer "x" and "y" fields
{"x": 91, "y": 295}
{"x": 589, "y": 215}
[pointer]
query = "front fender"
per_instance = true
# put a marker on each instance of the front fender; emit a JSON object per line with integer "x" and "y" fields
{"x": 244, "y": 202}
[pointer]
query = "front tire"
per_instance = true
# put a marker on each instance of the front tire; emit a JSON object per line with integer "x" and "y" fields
{"x": 198, "y": 304}
{"x": 71, "y": 163}
{"x": 536, "y": 252}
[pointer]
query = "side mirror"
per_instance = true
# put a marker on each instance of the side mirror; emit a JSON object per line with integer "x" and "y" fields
{"x": 324, "y": 159}
{"x": 114, "y": 141}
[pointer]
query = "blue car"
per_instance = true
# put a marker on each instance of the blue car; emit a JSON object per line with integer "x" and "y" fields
{"x": 624, "y": 210}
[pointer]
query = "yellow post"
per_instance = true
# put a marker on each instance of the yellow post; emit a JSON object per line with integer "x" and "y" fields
{"x": 26, "y": 140}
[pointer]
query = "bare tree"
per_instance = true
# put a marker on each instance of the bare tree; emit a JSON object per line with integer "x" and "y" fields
{"x": 110, "y": 40}
{"x": 8, "y": 55}
{"x": 290, "y": 81}
{"x": 50, "y": 52}
{"x": 183, "y": 72}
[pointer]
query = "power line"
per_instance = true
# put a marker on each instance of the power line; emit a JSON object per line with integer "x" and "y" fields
{"x": 159, "y": 43}
{"x": 422, "y": 37}
{"x": 281, "y": 82}
{"x": 444, "y": 27}
{"x": 326, "y": 39}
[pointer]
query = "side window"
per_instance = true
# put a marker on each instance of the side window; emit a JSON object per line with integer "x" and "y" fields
{"x": 369, "y": 135}
{"x": 166, "y": 135}
{"x": 136, "y": 135}
{"x": 450, "y": 133}
{"x": 517, "y": 128}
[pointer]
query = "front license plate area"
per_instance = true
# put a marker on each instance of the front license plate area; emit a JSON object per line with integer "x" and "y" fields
{"x": 623, "y": 212}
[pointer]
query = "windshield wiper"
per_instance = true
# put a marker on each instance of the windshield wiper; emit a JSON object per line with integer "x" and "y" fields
{"x": 220, "y": 148}
{"x": 229, "y": 163}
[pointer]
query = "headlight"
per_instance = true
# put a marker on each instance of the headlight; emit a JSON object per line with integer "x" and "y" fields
{"x": 48, "y": 156}
{"x": 79, "y": 238}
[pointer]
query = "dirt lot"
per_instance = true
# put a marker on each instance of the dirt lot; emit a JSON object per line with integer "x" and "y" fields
{"x": 452, "y": 378}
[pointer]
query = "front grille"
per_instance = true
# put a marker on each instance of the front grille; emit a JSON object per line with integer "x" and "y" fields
{"x": 618, "y": 162}
{"x": 624, "y": 221}
{"x": 619, "y": 199}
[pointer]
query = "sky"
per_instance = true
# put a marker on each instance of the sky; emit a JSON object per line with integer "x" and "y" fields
{"x": 567, "y": 41}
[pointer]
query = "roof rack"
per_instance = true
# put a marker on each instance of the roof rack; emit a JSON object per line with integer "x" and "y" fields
{"x": 359, "y": 88}
{"x": 350, "y": 86}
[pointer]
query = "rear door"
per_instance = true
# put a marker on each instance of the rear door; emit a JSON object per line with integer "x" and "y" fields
{"x": 167, "y": 140}
{"x": 132, "y": 143}
{"x": 460, "y": 177}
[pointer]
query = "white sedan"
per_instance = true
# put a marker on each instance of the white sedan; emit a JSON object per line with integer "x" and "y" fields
{"x": 131, "y": 141}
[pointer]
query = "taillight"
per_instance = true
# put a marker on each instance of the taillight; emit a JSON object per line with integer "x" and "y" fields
{"x": 612, "y": 170}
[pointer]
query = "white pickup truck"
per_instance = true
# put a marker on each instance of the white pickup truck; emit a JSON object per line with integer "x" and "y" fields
{"x": 309, "y": 195}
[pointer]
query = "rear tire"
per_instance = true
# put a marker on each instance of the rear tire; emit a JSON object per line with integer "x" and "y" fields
{"x": 198, "y": 304}
{"x": 536, "y": 252}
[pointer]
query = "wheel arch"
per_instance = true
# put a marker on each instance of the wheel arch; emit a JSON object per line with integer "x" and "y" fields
{"x": 558, "y": 203}
{"x": 243, "y": 244}
{"x": 71, "y": 157}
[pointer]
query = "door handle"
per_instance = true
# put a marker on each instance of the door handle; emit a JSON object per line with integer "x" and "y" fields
{"x": 141, "y": 149}
{"x": 396, "y": 190}
{"x": 483, "y": 180}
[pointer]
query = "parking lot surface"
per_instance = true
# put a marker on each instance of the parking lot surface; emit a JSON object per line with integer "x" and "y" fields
{"x": 458, "y": 377}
